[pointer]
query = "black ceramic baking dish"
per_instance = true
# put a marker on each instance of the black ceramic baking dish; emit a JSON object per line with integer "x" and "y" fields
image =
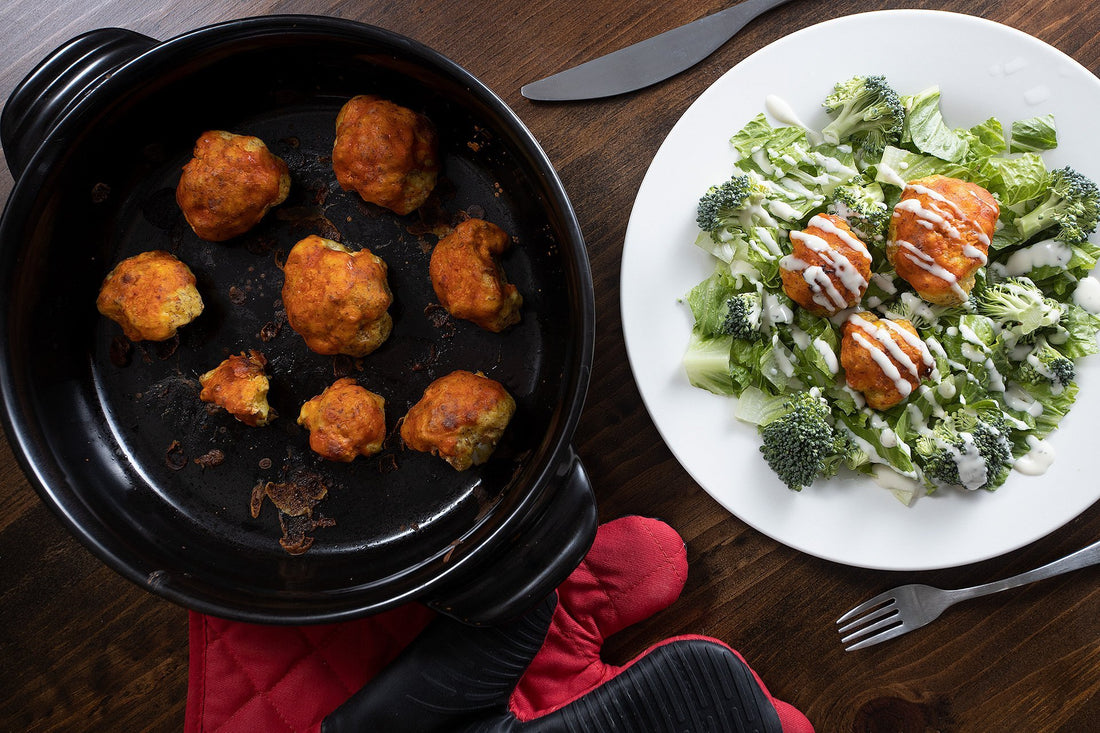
{"x": 109, "y": 432}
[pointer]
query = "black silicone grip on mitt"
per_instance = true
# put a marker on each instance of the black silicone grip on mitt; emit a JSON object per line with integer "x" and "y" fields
{"x": 458, "y": 678}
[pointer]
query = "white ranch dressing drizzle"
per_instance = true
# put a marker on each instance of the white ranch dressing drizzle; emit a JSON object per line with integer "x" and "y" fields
{"x": 782, "y": 358}
{"x": 936, "y": 346}
{"x": 929, "y": 216}
{"x": 1018, "y": 399}
{"x": 887, "y": 437}
{"x": 850, "y": 278}
{"x": 882, "y": 335}
{"x": 912, "y": 339}
{"x": 885, "y": 364}
{"x": 827, "y": 354}
{"x": 928, "y": 264}
{"x": 1038, "y": 458}
{"x": 782, "y": 209}
{"x": 904, "y": 488}
{"x": 978, "y": 352}
{"x": 1047, "y": 253}
{"x": 929, "y": 396}
{"x": 827, "y": 225}
{"x": 1087, "y": 294}
{"x": 884, "y": 282}
{"x": 973, "y": 470}
{"x": 821, "y": 284}
{"x": 916, "y": 419}
{"x": 765, "y": 235}
{"x": 940, "y": 198}
{"x": 760, "y": 157}
{"x": 778, "y": 108}
{"x": 773, "y": 311}
{"x": 889, "y": 175}
{"x": 857, "y": 397}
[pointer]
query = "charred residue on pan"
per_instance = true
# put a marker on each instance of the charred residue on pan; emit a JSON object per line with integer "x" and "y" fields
{"x": 295, "y": 497}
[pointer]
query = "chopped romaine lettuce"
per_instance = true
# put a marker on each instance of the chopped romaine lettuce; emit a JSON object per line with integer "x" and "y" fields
{"x": 1034, "y": 134}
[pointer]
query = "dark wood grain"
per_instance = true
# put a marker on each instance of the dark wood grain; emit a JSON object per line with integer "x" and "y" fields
{"x": 83, "y": 650}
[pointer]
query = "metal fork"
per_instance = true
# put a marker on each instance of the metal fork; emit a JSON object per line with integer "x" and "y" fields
{"x": 910, "y": 607}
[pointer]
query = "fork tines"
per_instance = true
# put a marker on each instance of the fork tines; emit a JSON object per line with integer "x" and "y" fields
{"x": 880, "y": 614}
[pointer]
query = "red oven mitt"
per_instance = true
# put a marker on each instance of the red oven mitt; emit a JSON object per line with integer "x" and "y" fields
{"x": 542, "y": 672}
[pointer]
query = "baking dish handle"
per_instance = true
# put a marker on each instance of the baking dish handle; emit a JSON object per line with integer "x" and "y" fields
{"x": 538, "y": 559}
{"x": 57, "y": 84}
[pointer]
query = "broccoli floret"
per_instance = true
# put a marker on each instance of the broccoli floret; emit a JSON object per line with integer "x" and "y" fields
{"x": 734, "y": 203}
{"x": 968, "y": 450}
{"x": 801, "y": 443}
{"x": 1072, "y": 205}
{"x": 867, "y": 112}
{"x": 1046, "y": 365}
{"x": 743, "y": 316}
{"x": 864, "y": 208}
{"x": 1018, "y": 305}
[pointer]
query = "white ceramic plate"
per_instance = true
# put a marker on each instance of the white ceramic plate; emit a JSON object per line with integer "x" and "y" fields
{"x": 984, "y": 69}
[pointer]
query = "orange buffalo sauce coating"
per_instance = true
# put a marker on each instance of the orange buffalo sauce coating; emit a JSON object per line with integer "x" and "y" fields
{"x": 239, "y": 385}
{"x": 386, "y": 153}
{"x": 150, "y": 295}
{"x": 460, "y": 418}
{"x": 468, "y": 279}
{"x": 939, "y": 236}
{"x": 344, "y": 421}
{"x": 337, "y": 298}
{"x": 229, "y": 184}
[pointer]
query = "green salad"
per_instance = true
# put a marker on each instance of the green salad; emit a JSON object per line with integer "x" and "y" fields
{"x": 1004, "y": 359}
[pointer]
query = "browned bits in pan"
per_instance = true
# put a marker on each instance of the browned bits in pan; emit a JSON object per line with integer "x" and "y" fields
{"x": 295, "y": 500}
{"x": 211, "y": 458}
{"x": 174, "y": 457}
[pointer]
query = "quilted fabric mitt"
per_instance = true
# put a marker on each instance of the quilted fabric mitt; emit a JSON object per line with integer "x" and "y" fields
{"x": 539, "y": 673}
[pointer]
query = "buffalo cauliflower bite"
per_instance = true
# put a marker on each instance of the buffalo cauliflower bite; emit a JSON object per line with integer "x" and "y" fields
{"x": 239, "y": 386}
{"x": 828, "y": 268}
{"x": 884, "y": 359}
{"x": 345, "y": 421}
{"x": 939, "y": 236}
{"x": 230, "y": 184}
{"x": 460, "y": 418}
{"x": 150, "y": 295}
{"x": 386, "y": 153}
{"x": 335, "y": 298}
{"x": 468, "y": 279}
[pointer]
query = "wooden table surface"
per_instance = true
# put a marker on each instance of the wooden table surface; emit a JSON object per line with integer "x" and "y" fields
{"x": 83, "y": 649}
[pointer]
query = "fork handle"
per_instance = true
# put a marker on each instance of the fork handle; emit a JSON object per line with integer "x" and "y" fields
{"x": 1081, "y": 559}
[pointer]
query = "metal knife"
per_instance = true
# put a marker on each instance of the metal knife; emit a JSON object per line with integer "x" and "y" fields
{"x": 649, "y": 61}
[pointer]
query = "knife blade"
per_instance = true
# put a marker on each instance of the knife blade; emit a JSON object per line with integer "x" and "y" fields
{"x": 650, "y": 61}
